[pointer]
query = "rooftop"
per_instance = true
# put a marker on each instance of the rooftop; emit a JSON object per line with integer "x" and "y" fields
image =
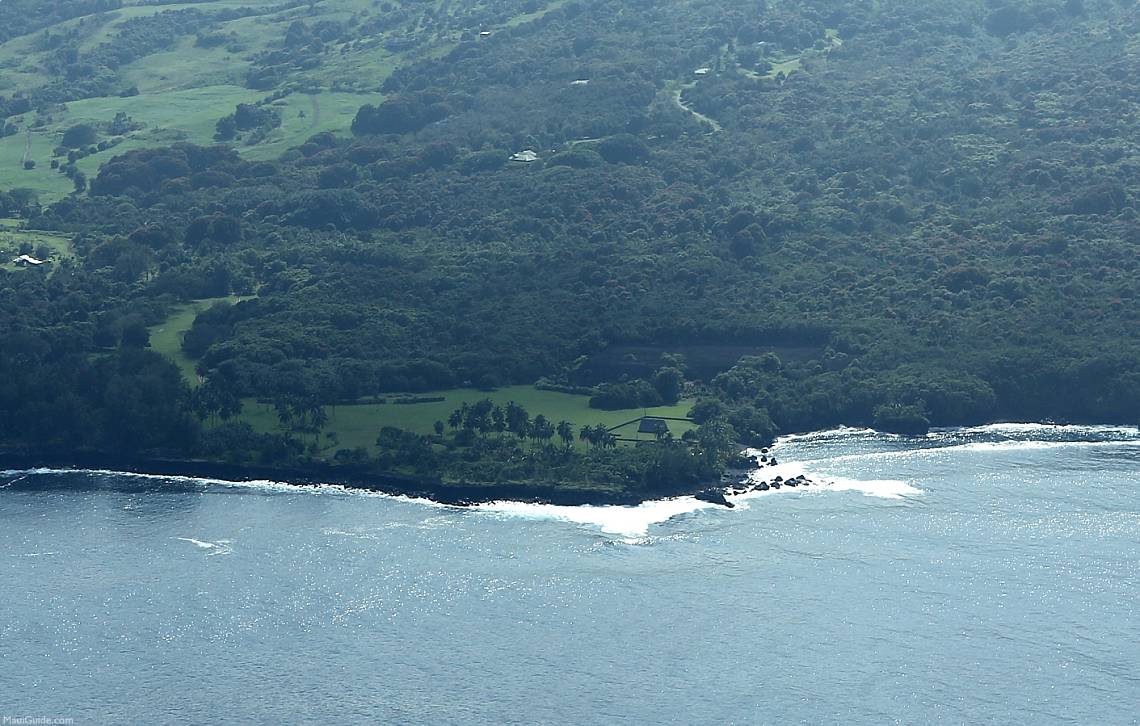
{"x": 650, "y": 425}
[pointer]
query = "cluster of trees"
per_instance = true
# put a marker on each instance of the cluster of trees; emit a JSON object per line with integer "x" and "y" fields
{"x": 485, "y": 417}
{"x": 21, "y": 17}
{"x": 258, "y": 118}
{"x": 665, "y": 389}
{"x": 400, "y": 115}
{"x": 19, "y": 202}
{"x": 302, "y": 48}
{"x": 473, "y": 454}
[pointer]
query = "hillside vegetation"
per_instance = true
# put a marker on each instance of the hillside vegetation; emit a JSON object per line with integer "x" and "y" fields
{"x": 177, "y": 68}
{"x": 803, "y": 214}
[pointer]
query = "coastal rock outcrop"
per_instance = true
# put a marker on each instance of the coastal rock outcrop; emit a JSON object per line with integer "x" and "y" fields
{"x": 714, "y": 496}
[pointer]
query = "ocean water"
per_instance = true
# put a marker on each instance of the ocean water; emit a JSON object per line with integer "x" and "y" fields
{"x": 987, "y": 575}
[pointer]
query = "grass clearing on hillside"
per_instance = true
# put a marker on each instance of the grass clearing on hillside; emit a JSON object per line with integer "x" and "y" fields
{"x": 184, "y": 67}
{"x": 167, "y": 337}
{"x": 48, "y": 184}
{"x": 358, "y": 424}
{"x": 303, "y": 115}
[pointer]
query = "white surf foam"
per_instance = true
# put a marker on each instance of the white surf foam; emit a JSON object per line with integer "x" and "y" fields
{"x": 843, "y": 432}
{"x": 629, "y": 521}
{"x": 1017, "y": 428}
{"x": 265, "y": 485}
{"x": 221, "y": 547}
{"x": 198, "y": 542}
{"x": 632, "y": 523}
{"x": 885, "y": 488}
{"x": 985, "y": 446}
{"x": 1037, "y": 444}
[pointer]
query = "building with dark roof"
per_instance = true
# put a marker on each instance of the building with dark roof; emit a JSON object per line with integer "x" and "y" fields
{"x": 656, "y": 426}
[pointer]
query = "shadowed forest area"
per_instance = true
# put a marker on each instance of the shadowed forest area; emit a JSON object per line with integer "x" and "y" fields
{"x": 794, "y": 215}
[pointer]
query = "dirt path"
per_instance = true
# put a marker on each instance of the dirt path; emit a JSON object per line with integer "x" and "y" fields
{"x": 680, "y": 89}
{"x": 316, "y": 111}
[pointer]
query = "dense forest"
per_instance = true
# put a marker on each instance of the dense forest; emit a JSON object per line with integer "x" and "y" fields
{"x": 807, "y": 214}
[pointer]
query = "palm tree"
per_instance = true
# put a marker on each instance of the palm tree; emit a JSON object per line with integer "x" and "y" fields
{"x": 602, "y": 436}
{"x": 566, "y": 433}
{"x": 537, "y": 428}
{"x": 498, "y": 420}
{"x": 284, "y": 413}
{"x": 586, "y": 433}
{"x": 318, "y": 418}
{"x": 518, "y": 420}
{"x": 543, "y": 429}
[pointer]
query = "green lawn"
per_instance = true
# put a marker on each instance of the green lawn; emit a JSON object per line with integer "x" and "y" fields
{"x": 167, "y": 337}
{"x": 358, "y": 424}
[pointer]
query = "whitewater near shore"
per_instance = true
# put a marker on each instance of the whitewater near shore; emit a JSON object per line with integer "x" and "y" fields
{"x": 837, "y": 460}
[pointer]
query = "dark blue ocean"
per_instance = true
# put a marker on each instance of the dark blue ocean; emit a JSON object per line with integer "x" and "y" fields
{"x": 987, "y": 575}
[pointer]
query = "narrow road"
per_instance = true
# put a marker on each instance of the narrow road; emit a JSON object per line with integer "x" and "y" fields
{"x": 696, "y": 114}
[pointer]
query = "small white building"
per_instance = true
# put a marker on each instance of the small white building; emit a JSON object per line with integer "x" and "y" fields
{"x": 27, "y": 261}
{"x": 580, "y": 82}
{"x": 702, "y": 71}
{"x": 525, "y": 157}
{"x": 485, "y": 34}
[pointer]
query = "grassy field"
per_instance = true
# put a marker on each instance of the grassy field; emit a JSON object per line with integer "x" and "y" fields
{"x": 167, "y": 337}
{"x": 184, "y": 90}
{"x": 358, "y": 425}
{"x": 303, "y": 115}
{"x": 789, "y": 65}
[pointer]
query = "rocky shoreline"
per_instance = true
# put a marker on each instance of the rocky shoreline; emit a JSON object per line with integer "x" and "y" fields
{"x": 765, "y": 459}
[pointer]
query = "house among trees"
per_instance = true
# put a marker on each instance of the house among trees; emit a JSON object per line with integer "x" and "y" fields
{"x": 525, "y": 156}
{"x": 656, "y": 426}
{"x": 27, "y": 261}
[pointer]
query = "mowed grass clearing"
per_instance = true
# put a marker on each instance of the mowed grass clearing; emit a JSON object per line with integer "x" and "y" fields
{"x": 166, "y": 338}
{"x": 304, "y": 115}
{"x": 358, "y": 424}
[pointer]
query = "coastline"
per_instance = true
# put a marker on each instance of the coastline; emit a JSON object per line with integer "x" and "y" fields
{"x": 362, "y": 478}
